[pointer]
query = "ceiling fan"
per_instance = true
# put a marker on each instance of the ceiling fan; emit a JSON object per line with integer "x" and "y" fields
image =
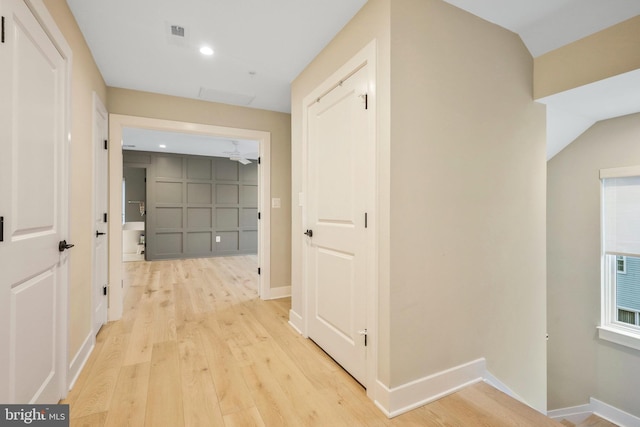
{"x": 236, "y": 155}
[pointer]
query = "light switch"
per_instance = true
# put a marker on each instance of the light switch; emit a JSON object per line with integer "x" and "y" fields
{"x": 275, "y": 203}
{"x": 217, "y": 239}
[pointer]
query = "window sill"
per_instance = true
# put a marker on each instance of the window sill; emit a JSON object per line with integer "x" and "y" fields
{"x": 620, "y": 335}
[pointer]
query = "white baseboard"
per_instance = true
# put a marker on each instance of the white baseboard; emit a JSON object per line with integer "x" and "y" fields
{"x": 295, "y": 320}
{"x": 615, "y": 415}
{"x": 279, "y": 292}
{"x": 577, "y": 414}
{"x": 496, "y": 383}
{"x": 406, "y": 397}
{"x": 80, "y": 359}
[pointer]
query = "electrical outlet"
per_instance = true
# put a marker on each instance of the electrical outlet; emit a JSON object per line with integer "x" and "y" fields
{"x": 217, "y": 239}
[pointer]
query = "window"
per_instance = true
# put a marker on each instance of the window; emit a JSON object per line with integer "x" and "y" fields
{"x": 620, "y": 320}
{"x": 621, "y": 264}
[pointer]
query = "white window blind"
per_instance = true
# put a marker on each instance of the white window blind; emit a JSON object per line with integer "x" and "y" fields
{"x": 621, "y": 197}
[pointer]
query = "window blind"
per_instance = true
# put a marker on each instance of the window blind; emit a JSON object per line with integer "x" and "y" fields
{"x": 621, "y": 197}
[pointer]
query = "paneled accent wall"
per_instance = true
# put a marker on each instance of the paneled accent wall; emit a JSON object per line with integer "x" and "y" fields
{"x": 193, "y": 201}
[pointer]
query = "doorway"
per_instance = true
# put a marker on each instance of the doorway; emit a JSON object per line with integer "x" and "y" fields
{"x": 117, "y": 124}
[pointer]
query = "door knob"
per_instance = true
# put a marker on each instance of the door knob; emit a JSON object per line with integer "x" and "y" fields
{"x": 63, "y": 245}
{"x": 309, "y": 233}
{"x": 98, "y": 234}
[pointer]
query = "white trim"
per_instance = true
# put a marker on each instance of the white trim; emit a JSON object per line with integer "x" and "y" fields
{"x": 618, "y": 334}
{"x": 80, "y": 359}
{"x": 577, "y": 414}
{"x": 278, "y": 292}
{"x": 613, "y": 414}
{"x": 366, "y": 56}
{"x": 296, "y": 322}
{"x": 496, "y": 383}
{"x": 401, "y": 399}
{"x": 48, "y": 24}
{"x": 116, "y": 123}
{"x": 623, "y": 172}
{"x": 99, "y": 113}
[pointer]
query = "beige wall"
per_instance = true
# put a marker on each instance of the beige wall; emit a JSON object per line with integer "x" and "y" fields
{"x": 461, "y": 149}
{"x": 371, "y": 22}
{"x": 145, "y": 104}
{"x": 467, "y": 200}
{"x": 605, "y": 54}
{"x": 85, "y": 80}
{"x": 580, "y": 364}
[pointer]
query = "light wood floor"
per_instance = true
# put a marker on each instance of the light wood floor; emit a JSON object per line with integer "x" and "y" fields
{"x": 196, "y": 347}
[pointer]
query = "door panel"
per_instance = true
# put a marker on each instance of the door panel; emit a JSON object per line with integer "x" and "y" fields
{"x": 33, "y": 303}
{"x": 32, "y": 81}
{"x": 337, "y": 190}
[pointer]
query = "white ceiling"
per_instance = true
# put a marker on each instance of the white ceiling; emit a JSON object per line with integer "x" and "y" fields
{"x": 261, "y": 46}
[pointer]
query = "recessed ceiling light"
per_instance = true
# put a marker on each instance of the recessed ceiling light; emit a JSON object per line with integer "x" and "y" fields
{"x": 162, "y": 146}
{"x": 206, "y": 50}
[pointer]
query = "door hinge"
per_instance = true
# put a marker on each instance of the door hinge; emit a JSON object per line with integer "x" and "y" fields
{"x": 1, "y": 229}
{"x": 258, "y": 271}
{"x": 259, "y": 217}
{"x": 104, "y": 290}
{"x": 106, "y": 144}
{"x": 104, "y": 216}
{"x": 364, "y": 333}
{"x": 366, "y": 101}
{"x": 366, "y": 221}
{"x": 259, "y": 160}
{"x": 2, "y": 30}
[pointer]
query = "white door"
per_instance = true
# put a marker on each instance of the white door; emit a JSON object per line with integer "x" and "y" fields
{"x": 33, "y": 209}
{"x": 101, "y": 246}
{"x": 337, "y": 192}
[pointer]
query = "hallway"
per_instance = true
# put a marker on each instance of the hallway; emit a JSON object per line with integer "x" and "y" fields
{"x": 197, "y": 347}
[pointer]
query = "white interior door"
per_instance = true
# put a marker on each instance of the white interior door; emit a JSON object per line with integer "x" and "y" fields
{"x": 101, "y": 244}
{"x": 32, "y": 197}
{"x": 337, "y": 194}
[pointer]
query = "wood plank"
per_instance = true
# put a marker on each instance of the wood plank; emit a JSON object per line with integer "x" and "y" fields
{"x": 233, "y": 393}
{"x": 96, "y": 394}
{"x": 596, "y": 421}
{"x": 164, "y": 402}
{"x": 245, "y": 418}
{"x": 93, "y": 420}
{"x": 201, "y": 405}
{"x": 128, "y": 404}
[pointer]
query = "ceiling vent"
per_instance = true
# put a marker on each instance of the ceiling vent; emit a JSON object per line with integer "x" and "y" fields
{"x": 177, "y": 35}
{"x": 177, "y": 30}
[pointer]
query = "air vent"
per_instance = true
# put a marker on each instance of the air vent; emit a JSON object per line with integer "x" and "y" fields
{"x": 177, "y": 30}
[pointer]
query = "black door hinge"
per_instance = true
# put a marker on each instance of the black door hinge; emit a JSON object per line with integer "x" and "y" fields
{"x": 366, "y": 101}
{"x": 2, "y": 37}
{"x": 258, "y": 271}
{"x": 259, "y": 216}
{"x": 259, "y": 160}
{"x": 106, "y": 144}
{"x": 1, "y": 229}
{"x": 104, "y": 290}
{"x": 104, "y": 217}
{"x": 366, "y": 220}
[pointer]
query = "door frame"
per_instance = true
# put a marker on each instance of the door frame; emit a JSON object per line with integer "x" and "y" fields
{"x": 116, "y": 123}
{"x": 365, "y": 57}
{"x": 99, "y": 111}
{"x": 41, "y": 13}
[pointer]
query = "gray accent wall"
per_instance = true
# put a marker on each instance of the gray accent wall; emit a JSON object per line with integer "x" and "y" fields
{"x": 191, "y": 200}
